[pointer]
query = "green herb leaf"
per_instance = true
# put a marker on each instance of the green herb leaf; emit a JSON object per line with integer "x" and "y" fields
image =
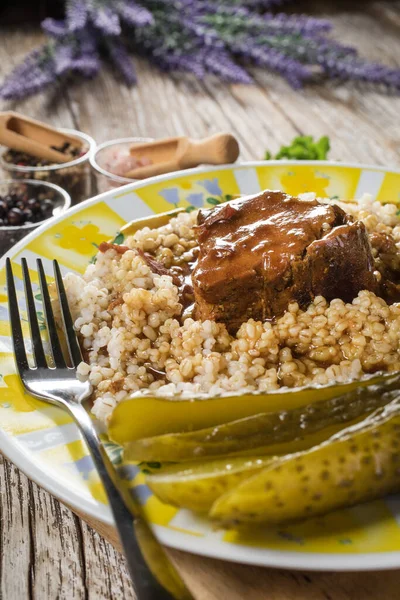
{"x": 119, "y": 238}
{"x": 322, "y": 147}
{"x": 213, "y": 201}
{"x": 303, "y": 147}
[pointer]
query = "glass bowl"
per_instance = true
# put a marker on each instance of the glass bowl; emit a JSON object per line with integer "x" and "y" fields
{"x": 73, "y": 176}
{"x": 11, "y": 234}
{"x": 100, "y": 160}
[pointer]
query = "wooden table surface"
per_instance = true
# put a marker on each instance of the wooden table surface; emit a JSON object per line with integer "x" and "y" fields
{"x": 47, "y": 552}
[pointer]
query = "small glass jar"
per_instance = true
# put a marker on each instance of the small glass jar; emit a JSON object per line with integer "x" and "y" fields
{"x": 73, "y": 176}
{"x": 104, "y": 154}
{"x": 11, "y": 234}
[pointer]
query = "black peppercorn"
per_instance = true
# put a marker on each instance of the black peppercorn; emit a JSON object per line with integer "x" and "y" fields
{"x": 15, "y": 216}
{"x": 17, "y": 208}
{"x": 33, "y": 204}
{"x": 27, "y": 214}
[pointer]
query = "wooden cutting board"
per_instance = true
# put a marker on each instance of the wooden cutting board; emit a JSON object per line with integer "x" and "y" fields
{"x": 210, "y": 579}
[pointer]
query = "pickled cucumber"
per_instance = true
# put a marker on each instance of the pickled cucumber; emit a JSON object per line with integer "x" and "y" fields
{"x": 197, "y": 485}
{"x": 143, "y": 415}
{"x": 358, "y": 464}
{"x": 276, "y": 433}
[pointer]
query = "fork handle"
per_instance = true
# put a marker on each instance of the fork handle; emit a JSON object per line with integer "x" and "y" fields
{"x": 145, "y": 583}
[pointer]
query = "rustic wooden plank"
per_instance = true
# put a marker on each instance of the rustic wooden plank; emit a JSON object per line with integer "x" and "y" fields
{"x": 57, "y": 569}
{"x": 40, "y": 551}
{"x": 111, "y": 582}
{"x": 54, "y": 553}
{"x": 15, "y": 533}
{"x": 160, "y": 107}
{"x": 212, "y": 580}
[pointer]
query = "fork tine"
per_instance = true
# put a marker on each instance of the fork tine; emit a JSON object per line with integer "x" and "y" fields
{"x": 37, "y": 344}
{"x": 74, "y": 349}
{"x": 15, "y": 321}
{"x": 56, "y": 350}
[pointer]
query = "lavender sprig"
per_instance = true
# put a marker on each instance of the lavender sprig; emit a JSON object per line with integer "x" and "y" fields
{"x": 122, "y": 61}
{"x": 134, "y": 14}
{"x": 221, "y": 37}
{"x": 77, "y": 14}
{"x": 54, "y": 28}
{"x": 106, "y": 21}
{"x": 30, "y": 77}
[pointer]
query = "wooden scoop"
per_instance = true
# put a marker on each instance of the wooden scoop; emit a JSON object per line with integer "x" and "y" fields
{"x": 33, "y": 137}
{"x": 174, "y": 154}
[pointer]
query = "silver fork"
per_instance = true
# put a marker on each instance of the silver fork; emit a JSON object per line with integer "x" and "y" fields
{"x": 58, "y": 384}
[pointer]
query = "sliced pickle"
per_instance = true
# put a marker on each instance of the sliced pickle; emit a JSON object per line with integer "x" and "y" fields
{"x": 276, "y": 433}
{"x": 143, "y": 416}
{"x": 358, "y": 464}
{"x": 197, "y": 485}
{"x": 165, "y": 446}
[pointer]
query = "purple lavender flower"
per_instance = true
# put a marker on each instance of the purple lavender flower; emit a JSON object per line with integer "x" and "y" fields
{"x": 122, "y": 61}
{"x": 351, "y": 67}
{"x": 62, "y": 56}
{"x": 86, "y": 65}
{"x": 222, "y": 37}
{"x": 290, "y": 68}
{"x": 196, "y": 199}
{"x": 76, "y": 14}
{"x": 30, "y": 77}
{"x": 134, "y": 14}
{"x": 263, "y": 4}
{"x": 211, "y": 186}
{"x": 179, "y": 62}
{"x": 54, "y": 28}
{"x": 171, "y": 195}
{"x": 221, "y": 64}
{"x": 106, "y": 20}
{"x": 295, "y": 23}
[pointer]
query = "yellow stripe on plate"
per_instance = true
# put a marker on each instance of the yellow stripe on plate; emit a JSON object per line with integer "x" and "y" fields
{"x": 325, "y": 181}
{"x": 159, "y": 513}
{"x": 390, "y": 189}
{"x": 365, "y": 528}
{"x": 74, "y": 240}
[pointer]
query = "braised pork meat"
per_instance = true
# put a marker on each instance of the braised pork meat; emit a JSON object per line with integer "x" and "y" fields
{"x": 259, "y": 253}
